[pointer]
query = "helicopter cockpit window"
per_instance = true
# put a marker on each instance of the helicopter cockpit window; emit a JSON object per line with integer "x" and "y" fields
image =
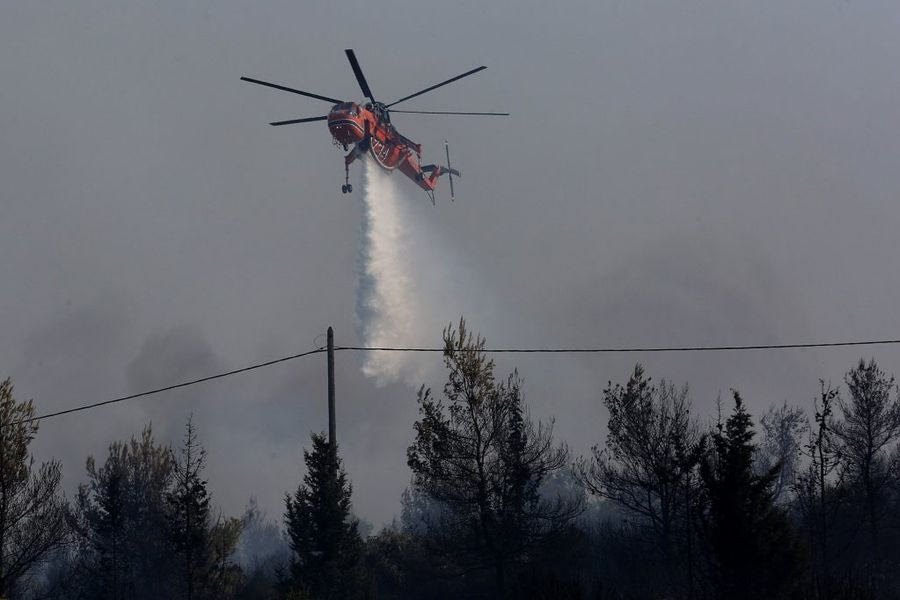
{"x": 348, "y": 106}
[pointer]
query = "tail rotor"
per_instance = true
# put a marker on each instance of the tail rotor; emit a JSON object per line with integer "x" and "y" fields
{"x": 450, "y": 171}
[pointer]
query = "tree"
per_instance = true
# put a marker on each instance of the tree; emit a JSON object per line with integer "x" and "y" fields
{"x": 145, "y": 526}
{"x": 188, "y": 517}
{"x": 783, "y": 427}
{"x": 32, "y": 510}
{"x": 262, "y": 552}
{"x": 124, "y": 522}
{"x": 323, "y": 535}
{"x": 819, "y": 491}
{"x": 224, "y": 575}
{"x": 479, "y": 457}
{"x": 870, "y": 424}
{"x": 649, "y": 467}
{"x": 754, "y": 552}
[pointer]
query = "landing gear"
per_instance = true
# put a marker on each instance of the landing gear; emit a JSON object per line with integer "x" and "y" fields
{"x": 346, "y": 188}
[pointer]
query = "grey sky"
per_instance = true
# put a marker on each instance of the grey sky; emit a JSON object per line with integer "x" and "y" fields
{"x": 673, "y": 173}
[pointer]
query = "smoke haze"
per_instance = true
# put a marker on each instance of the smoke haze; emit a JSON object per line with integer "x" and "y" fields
{"x": 672, "y": 174}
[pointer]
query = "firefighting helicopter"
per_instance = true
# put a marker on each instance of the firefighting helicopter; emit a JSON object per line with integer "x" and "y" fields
{"x": 367, "y": 128}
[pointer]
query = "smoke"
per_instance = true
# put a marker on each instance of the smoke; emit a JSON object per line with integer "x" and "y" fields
{"x": 411, "y": 283}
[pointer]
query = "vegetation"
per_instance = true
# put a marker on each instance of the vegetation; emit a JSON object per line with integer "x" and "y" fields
{"x": 751, "y": 544}
{"x": 321, "y": 530}
{"x": 664, "y": 507}
{"x": 479, "y": 460}
{"x": 648, "y": 467}
{"x": 32, "y": 511}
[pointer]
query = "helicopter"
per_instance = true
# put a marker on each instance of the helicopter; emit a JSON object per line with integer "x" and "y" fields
{"x": 368, "y": 129}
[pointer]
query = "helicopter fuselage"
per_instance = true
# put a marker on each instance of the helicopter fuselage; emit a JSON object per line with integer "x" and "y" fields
{"x": 369, "y": 130}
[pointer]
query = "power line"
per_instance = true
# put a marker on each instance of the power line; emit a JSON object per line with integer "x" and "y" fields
{"x": 622, "y": 350}
{"x": 170, "y": 387}
{"x": 606, "y": 350}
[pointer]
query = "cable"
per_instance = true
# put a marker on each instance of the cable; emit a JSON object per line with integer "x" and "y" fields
{"x": 319, "y": 350}
{"x": 616, "y": 350}
{"x": 170, "y": 387}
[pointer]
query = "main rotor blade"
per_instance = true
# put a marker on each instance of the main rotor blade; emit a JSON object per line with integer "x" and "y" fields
{"x": 306, "y": 120}
{"x": 442, "y": 112}
{"x": 434, "y": 87}
{"x": 359, "y": 74}
{"x": 287, "y": 89}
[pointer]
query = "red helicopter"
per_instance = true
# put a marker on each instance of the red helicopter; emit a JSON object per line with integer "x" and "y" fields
{"x": 367, "y": 127}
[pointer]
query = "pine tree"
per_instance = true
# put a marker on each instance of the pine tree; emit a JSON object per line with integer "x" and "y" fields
{"x": 869, "y": 427}
{"x": 754, "y": 551}
{"x": 820, "y": 492}
{"x": 32, "y": 511}
{"x": 223, "y": 573}
{"x": 783, "y": 429}
{"x": 323, "y": 535}
{"x": 481, "y": 460}
{"x": 262, "y": 552}
{"x": 648, "y": 467}
{"x": 123, "y": 515}
{"x": 188, "y": 517}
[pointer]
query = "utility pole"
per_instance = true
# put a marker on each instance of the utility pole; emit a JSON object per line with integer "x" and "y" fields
{"x": 332, "y": 436}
